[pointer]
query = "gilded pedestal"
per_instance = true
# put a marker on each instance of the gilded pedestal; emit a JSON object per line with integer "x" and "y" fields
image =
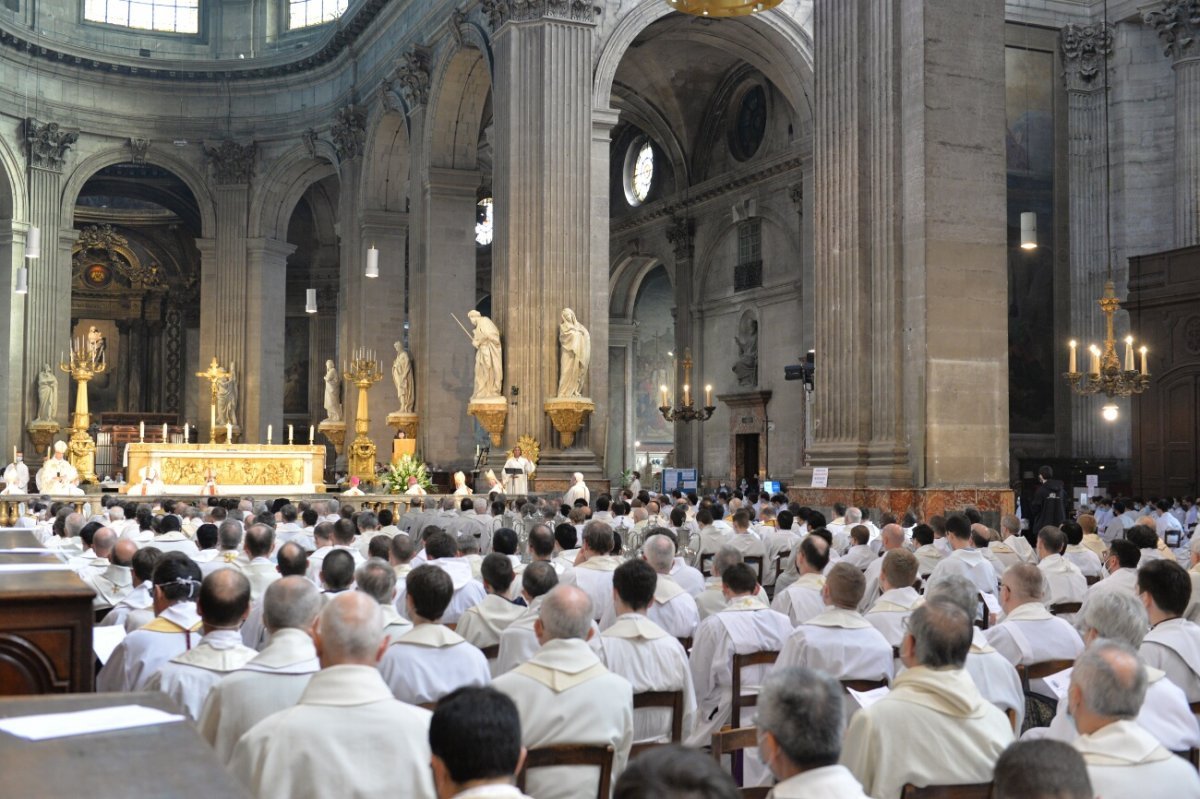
{"x": 336, "y": 433}
{"x": 81, "y": 449}
{"x": 405, "y": 423}
{"x": 568, "y": 414}
{"x": 491, "y": 413}
{"x": 42, "y": 434}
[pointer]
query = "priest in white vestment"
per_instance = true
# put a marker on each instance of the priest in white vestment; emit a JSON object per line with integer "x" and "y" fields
{"x": 175, "y": 629}
{"x": 348, "y": 736}
{"x": 712, "y": 599}
{"x": 1086, "y": 560}
{"x": 861, "y": 554}
{"x": 644, "y": 653}
{"x": 1124, "y": 761}
{"x": 577, "y": 491}
{"x": 482, "y": 624}
{"x": 189, "y": 676}
{"x": 16, "y": 476}
{"x": 431, "y": 660}
{"x": 800, "y": 722}
{"x": 518, "y": 641}
{"x": 1029, "y": 633}
{"x": 258, "y": 544}
{"x": 1165, "y": 713}
{"x": 929, "y": 555}
{"x": 746, "y": 540}
{"x": 782, "y": 538}
{"x": 441, "y": 551}
{"x": 803, "y": 599}
{"x": 595, "y": 566}
{"x": 964, "y": 558}
{"x": 890, "y": 612}
{"x": 566, "y": 695}
{"x": 517, "y": 471}
{"x": 276, "y": 677}
{"x": 1064, "y": 581}
{"x": 673, "y": 608}
{"x": 466, "y": 723}
{"x": 934, "y": 727}
{"x": 890, "y": 537}
{"x": 1173, "y": 643}
{"x": 1012, "y": 548}
{"x": 744, "y": 626}
{"x": 114, "y": 581}
{"x": 1121, "y": 565}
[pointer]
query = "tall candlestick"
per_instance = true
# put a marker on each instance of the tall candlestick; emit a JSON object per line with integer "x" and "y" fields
{"x": 291, "y": 436}
{"x": 1129, "y": 353}
{"x": 268, "y": 434}
{"x": 1072, "y": 344}
{"x": 312, "y": 435}
{"x": 212, "y": 417}
{"x": 1143, "y": 351}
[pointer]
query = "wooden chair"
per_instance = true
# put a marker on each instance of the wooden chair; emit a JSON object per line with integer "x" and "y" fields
{"x": 982, "y": 623}
{"x": 1061, "y": 608}
{"x": 491, "y": 652}
{"x": 1092, "y": 579}
{"x": 686, "y": 643}
{"x": 738, "y": 701}
{"x": 705, "y": 559}
{"x": 863, "y": 685}
{"x": 1044, "y": 668}
{"x": 732, "y": 742}
{"x": 667, "y": 699}
{"x": 1012, "y": 719}
{"x": 430, "y": 706}
{"x": 779, "y": 560}
{"x": 1195, "y": 708}
{"x": 982, "y": 790}
{"x": 757, "y": 561}
{"x": 1192, "y": 756}
{"x": 571, "y": 755}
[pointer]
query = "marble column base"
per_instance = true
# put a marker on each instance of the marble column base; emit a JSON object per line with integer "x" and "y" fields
{"x": 924, "y": 502}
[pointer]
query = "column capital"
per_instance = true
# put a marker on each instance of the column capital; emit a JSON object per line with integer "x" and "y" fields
{"x": 1084, "y": 48}
{"x": 231, "y": 163}
{"x": 409, "y": 78}
{"x": 499, "y": 12}
{"x": 269, "y": 248}
{"x": 681, "y": 234}
{"x": 349, "y": 131}
{"x": 48, "y": 144}
{"x": 1178, "y": 25}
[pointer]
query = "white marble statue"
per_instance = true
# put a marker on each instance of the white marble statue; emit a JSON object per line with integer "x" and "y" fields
{"x": 489, "y": 362}
{"x": 47, "y": 387}
{"x": 402, "y": 376}
{"x": 57, "y": 476}
{"x": 576, "y": 344}
{"x": 333, "y": 406}
{"x": 227, "y": 398}
{"x": 16, "y": 477}
{"x": 97, "y": 346}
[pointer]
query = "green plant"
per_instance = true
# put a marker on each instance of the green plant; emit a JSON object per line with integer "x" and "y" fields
{"x": 626, "y": 478}
{"x": 395, "y": 477}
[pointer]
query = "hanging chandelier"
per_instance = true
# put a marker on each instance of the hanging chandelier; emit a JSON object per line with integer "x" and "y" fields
{"x": 1106, "y": 373}
{"x": 722, "y": 8}
{"x": 687, "y": 410}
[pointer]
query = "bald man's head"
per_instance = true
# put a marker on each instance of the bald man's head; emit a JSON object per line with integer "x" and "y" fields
{"x": 893, "y": 536}
{"x": 291, "y": 602}
{"x": 224, "y": 600}
{"x": 103, "y": 542}
{"x": 566, "y": 613}
{"x": 659, "y": 552}
{"x": 349, "y": 631}
{"x": 123, "y": 552}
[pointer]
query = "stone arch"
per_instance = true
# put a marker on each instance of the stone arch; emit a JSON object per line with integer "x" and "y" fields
{"x": 776, "y": 43}
{"x": 626, "y": 278}
{"x": 650, "y": 120}
{"x": 185, "y": 171}
{"x": 387, "y": 163}
{"x": 12, "y": 186}
{"x": 461, "y": 85}
{"x": 707, "y": 249}
{"x": 282, "y": 187}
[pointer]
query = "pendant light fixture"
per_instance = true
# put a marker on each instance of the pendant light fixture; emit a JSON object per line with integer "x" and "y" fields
{"x": 1029, "y": 230}
{"x": 310, "y": 300}
{"x": 372, "y": 262}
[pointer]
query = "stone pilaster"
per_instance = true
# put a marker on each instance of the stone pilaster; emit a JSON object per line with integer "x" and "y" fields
{"x": 382, "y": 306}
{"x": 1083, "y": 50}
{"x": 12, "y": 327}
{"x": 544, "y": 140}
{"x": 1178, "y": 25}
{"x": 681, "y": 235}
{"x": 603, "y": 120}
{"x": 48, "y": 304}
{"x": 262, "y": 380}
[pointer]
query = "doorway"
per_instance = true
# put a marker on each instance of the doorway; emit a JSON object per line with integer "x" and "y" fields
{"x": 746, "y": 457}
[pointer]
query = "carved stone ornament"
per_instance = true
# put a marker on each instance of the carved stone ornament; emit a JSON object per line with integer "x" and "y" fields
{"x": 48, "y": 143}
{"x": 232, "y": 162}
{"x": 681, "y": 233}
{"x": 116, "y": 255}
{"x": 1084, "y": 48}
{"x": 458, "y": 18}
{"x": 349, "y": 132}
{"x": 410, "y": 77}
{"x": 568, "y": 415}
{"x": 138, "y": 148}
{"x": 500, "y": 11}
{"x": 310, "y": 139}
{"x": 1177, "y": 23}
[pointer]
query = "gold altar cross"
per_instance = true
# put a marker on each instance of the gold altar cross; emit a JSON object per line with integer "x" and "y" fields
{"x": 213, "y": 374}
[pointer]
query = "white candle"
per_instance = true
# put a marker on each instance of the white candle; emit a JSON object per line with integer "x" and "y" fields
{"x": 164, "y": 432}
{"x": 1072, "y": 344}
{"x": 268, "y": 434}
{"x": 186, "y": 432}
{"x": 1143, "y": 351}
{"x": 1129, "y": 354}
{"x": 1095, "y": 359}
{"x": 664, "y": 395}
{"x": 687, "y": 394}
{"x": 312, "y": 437}
{"x": 708, "y": 396}
{"x": 141, "y": 431}
{"x": 212, "y": 417}
{"x": 291, "y": 435}
{"x": 228, "y": 433}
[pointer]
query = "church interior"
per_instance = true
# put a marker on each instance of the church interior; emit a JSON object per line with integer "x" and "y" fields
{"x": 868, "y": 265}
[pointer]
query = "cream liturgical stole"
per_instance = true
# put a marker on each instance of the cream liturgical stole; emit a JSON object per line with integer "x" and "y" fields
{"x": 1122, "y": 743}
{"x": 839, "y": 617}
{"x": 635, "y": 626}
{"x": 1172, "y": 634}
{"x": 561, "y": 670}
{"x": 893, "y": 601}
{"x": 434, "y": 636}
{"x": 179, "y": 618}
{"x": 604, "y": 563}
{"x": 218, "y": 652}
{"x": 1030, "y": 611}
{"x": 812, "y": 581}
{"x": 666, "y": 589}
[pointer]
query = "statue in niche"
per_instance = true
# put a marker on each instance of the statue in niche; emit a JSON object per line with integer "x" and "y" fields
{"x": 576, "y": 344}
{"x": 402, "y": 377}
{"x": 333, "y": 406}
{"x": 97, "y": 346}
{"x": 489, "y": 363}
{"x": 47, "y": 388}
{"x": 227, "y": 398}
{"x": 746, "y": 365}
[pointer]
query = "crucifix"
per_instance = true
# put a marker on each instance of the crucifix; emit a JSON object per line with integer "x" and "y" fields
{"x": 214, "y": 373}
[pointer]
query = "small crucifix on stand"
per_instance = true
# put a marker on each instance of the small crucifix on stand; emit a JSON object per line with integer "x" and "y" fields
{"x": 214, "y": 374}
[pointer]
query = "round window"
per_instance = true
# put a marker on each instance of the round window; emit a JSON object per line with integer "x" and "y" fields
{"x": 483, "y": 222}
{"x": 639, "y": 171}
{"x": 751, "y": 123}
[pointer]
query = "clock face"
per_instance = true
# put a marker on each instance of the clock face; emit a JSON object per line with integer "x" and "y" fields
{"x": 751, "y": 123}
{"x": 97, "y": 275}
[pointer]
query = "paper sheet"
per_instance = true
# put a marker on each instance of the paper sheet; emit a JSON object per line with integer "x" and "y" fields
{"x": 992, "y": 604}
{"x": 83, "y": 722}
{"x": 105, "y": 640}
{"x": 34, "y": 567}
{"x": 868, "y": 698}
{"x": 1059, "y": 683}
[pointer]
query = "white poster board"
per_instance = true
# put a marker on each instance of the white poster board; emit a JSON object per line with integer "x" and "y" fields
{"x": 820, "y": 478}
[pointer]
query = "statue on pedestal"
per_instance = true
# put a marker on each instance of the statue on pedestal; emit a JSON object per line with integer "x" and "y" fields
{"x": 576, "y": 344}
{"x": 97, "y": 347}
{"x": 47, "y": 386}
{"x": 333, "y": 407}
{"x": 489, "y": 362}
{"x": 227, "y": 398}
{"x": 746, "y": 365}
{"x": 402, "y": 376}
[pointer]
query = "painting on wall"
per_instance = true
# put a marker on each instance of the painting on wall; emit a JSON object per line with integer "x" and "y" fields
{"x": 653, "y": 356}
{"x": 1030, "y": 146}
{"x": 295, "y": 369}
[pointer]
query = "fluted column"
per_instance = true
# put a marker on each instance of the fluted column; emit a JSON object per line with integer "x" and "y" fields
{"x": 382, "y": 306}
{"x": 262, "y": 380}
{"x": 1083, "y": 49}
{"x": 544, "y": 206}
{"x": 12, "y": 327}
{"x": 1178, "y": 26}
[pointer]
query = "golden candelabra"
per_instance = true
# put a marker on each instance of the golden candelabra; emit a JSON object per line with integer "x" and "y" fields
{"x": 687, "y": 411}
{"x": 1107, "y": 374}
{"x": 81, "y": 448}
{"x": 213, "y": 374}
{"x": 364, "y": 370}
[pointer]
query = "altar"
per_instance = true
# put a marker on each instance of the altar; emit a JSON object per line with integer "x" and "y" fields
{"x": 239, "y": 468}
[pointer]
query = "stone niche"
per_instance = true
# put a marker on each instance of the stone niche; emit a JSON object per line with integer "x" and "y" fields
{"x": 747, "y": 434}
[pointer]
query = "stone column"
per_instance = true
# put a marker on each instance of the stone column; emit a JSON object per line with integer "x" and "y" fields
{"x": 382, "y": 307}
{"x": 12, "y": 326}
{"x": 681, "y": 235}
{"x": 544, "y": 209}
{"x": 910, "y": 274}
{"x": 621, "y": 402}
{"x": 1083, "y": 50}
{"x": 603, "y": 120}
{"x": 1178, "y": 26}
{"x": 48, "y": 304}
{"x": 262, "y": 380}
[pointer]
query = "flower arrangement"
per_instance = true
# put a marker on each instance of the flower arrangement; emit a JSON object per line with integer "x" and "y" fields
{"x": 395, "y": 477}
